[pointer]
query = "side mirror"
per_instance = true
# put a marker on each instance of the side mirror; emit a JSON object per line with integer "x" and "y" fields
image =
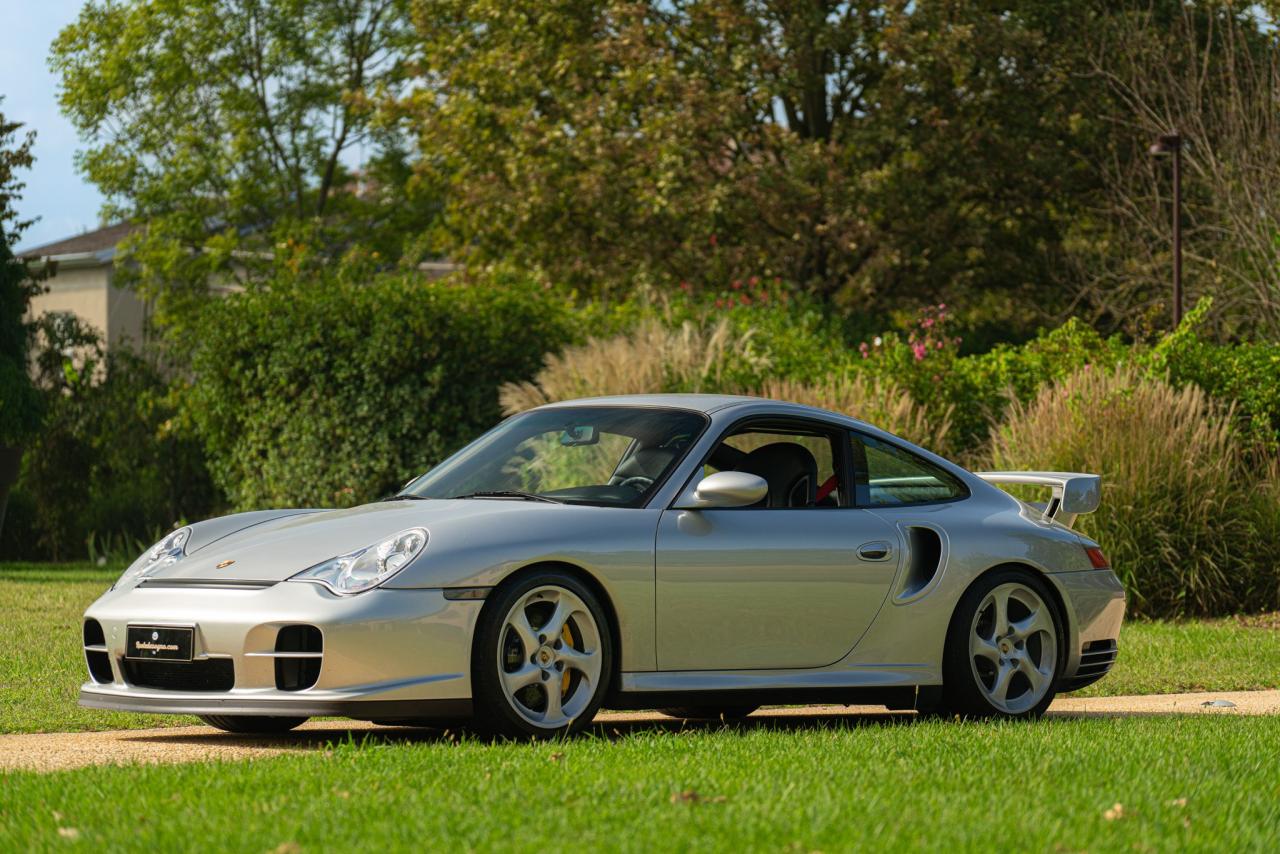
{"x": 727, "y": 489}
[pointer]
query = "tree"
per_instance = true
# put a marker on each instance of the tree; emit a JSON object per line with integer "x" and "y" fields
{"x": 1211, "y": 72}
{"x": 20, "y": 403}
{"x": 228, "y": 127}
{"x": 872, "y": 153}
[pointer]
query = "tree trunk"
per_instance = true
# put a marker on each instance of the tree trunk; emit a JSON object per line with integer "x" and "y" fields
{"x": 10, "y": 459}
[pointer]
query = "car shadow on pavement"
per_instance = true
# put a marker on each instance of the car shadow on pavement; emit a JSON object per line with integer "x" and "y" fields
{"x": 332, "y": 733}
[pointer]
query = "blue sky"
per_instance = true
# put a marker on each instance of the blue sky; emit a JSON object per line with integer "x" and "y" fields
{"x": 65, "y": 203}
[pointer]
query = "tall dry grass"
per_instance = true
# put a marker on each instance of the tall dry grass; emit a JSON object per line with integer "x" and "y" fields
{"x": 650, "y": 359}
{"x": 691, "y": 358}
{"x": 1188, "y": 522}
{"x": 871, "y": 399}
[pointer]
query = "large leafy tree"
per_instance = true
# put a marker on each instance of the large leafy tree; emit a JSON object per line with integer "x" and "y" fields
{"x": 229, "y": 128}
{"x": 869, "y": 152}
{"x": 20, "y": 402}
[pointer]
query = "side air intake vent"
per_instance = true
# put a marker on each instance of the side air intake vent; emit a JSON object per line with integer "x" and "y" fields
{"x": 926, "y": 560}
{"x": 299, "y": 652}
{"x": 95, "y": 653}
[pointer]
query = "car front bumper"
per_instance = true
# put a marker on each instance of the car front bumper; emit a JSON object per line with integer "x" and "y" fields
{"x": 401, "y": 653}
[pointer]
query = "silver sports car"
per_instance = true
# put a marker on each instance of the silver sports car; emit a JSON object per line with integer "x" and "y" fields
{"x": 699, "y": 554}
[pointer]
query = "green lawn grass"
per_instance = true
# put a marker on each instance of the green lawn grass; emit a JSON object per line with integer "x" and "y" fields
{"x": 41, "y": 665}
{"x": 1197, "y": 783}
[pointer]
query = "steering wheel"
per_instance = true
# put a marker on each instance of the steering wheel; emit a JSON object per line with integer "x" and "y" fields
{"x": 638, "y": 482}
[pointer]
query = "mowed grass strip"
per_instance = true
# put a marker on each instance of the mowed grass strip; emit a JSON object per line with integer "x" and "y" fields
{"x": 42, "y": 666}
{"x": 1157, "y": 783}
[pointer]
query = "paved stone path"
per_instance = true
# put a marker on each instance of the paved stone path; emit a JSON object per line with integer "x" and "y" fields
{"x": 61, "y": 750}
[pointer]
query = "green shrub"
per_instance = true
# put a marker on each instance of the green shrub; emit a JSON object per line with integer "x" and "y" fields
{"x": 331, "y": 393}
{"x": 1189, "y": 524}
{"x": 104, "y": 467}
{"x": 1246, "y": 374}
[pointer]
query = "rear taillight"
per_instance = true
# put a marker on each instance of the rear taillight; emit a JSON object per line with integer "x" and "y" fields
{"x": 1097, "y": 558}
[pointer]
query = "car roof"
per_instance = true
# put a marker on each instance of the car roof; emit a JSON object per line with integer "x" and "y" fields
{"x": 705, "y": 403}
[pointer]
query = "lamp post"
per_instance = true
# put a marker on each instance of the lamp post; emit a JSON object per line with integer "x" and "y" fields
{"x": 1171, "y": 144}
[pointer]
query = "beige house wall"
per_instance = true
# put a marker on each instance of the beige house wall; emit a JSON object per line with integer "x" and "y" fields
{"x": 90, "y": 294}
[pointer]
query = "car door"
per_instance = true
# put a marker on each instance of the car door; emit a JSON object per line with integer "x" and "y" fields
{"x": 772, "y": 587}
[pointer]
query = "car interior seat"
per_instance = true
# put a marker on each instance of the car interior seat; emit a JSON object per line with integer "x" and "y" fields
{"x": 789, "y": 469}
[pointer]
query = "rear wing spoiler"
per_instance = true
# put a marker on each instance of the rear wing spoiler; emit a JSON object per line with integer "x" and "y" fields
{"x": 1073, "y": 493}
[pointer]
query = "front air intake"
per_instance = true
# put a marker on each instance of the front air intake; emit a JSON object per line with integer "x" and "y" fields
{"x": 95, "y": 653}
{"x": 299, "y": 653}
{"x": 212, "y": 674}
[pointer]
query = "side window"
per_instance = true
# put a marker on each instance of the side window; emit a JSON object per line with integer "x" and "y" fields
{"x": 894, "y": 476}
{"x": 800, "y": 463}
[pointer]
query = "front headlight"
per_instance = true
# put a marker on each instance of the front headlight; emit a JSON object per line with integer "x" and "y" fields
{"x": 167, "y": 552}
{"x": 367, "y": 568}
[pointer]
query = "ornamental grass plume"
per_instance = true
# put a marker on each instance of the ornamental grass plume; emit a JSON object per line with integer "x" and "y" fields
{"x": 876, "y": 400}
{"x": 651, "y": 358}
{"x": 1188, "y": 520}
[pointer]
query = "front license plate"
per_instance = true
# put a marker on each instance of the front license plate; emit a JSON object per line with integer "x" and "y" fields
{"x": 159, "y": 643}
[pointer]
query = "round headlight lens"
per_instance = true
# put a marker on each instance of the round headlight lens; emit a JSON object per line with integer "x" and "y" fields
{"x": 167, "y": 552}
{"x": 367, "y": 568}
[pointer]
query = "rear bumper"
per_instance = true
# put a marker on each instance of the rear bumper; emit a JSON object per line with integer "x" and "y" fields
{"x": 385, "y": 653}
{"x": 1095, "y": 603}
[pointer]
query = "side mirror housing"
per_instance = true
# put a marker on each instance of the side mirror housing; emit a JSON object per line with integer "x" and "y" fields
{"x": 726, "y": 489}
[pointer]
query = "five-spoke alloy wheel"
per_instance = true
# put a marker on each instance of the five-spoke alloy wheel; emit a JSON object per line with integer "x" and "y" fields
{"x": 1004, "y": 647}
{"x": 542, "y": 658}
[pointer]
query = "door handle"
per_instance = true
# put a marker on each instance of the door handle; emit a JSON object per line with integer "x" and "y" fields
{"x": 878, "y": 550}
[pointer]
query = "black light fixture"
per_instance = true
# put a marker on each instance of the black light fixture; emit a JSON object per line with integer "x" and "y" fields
{"x": 1171, "y": 144}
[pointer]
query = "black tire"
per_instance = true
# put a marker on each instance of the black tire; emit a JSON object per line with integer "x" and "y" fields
{"x": 494, "y": 713}
{"x": 962, "y": 693}
{"x": 252, "y": 724}
{"x": 709, "y": 713}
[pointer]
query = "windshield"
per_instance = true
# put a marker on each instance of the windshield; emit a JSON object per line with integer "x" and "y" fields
{"x": 605, "y": 455}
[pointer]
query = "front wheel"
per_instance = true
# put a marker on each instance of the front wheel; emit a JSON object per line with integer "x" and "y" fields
{"x": 1004, "y": 648}
{"x": 542, "y": 657}
{"x": 257, "y": 724}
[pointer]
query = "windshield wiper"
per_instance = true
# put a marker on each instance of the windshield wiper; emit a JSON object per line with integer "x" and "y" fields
{"x": 509, "y": 493}
{"x": 405, "y": 496}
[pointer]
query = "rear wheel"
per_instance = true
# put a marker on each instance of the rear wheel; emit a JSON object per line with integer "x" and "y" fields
{"x": 542, "y": 657}
{"x": 260, "y": 724}
{"x": 1004, "y": 648}
{"x": 709, "y": 713}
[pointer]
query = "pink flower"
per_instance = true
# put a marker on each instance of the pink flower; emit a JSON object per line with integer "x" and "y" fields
{"x": 737, "y": 286}
{"x": 939, "y": 346}
{"x": 753, "y": 281}
{"x": 927, "y": 322}
{"x": 864, "y": 350}
{"x": 919, "y": 348}
{"x": 942, "y": 306}
{"x": 719, "y": 303}
{"x": 744, "y": 299}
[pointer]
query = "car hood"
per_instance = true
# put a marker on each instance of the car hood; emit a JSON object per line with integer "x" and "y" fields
{"x": 280, "y": 548}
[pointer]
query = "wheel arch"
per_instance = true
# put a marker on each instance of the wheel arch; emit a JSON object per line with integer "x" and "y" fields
{"x": 1055, "y": 599}
{"x": 592, "y": 583}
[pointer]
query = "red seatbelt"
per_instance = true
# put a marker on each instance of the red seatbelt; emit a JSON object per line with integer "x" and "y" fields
{"x": 828, "y": 487}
